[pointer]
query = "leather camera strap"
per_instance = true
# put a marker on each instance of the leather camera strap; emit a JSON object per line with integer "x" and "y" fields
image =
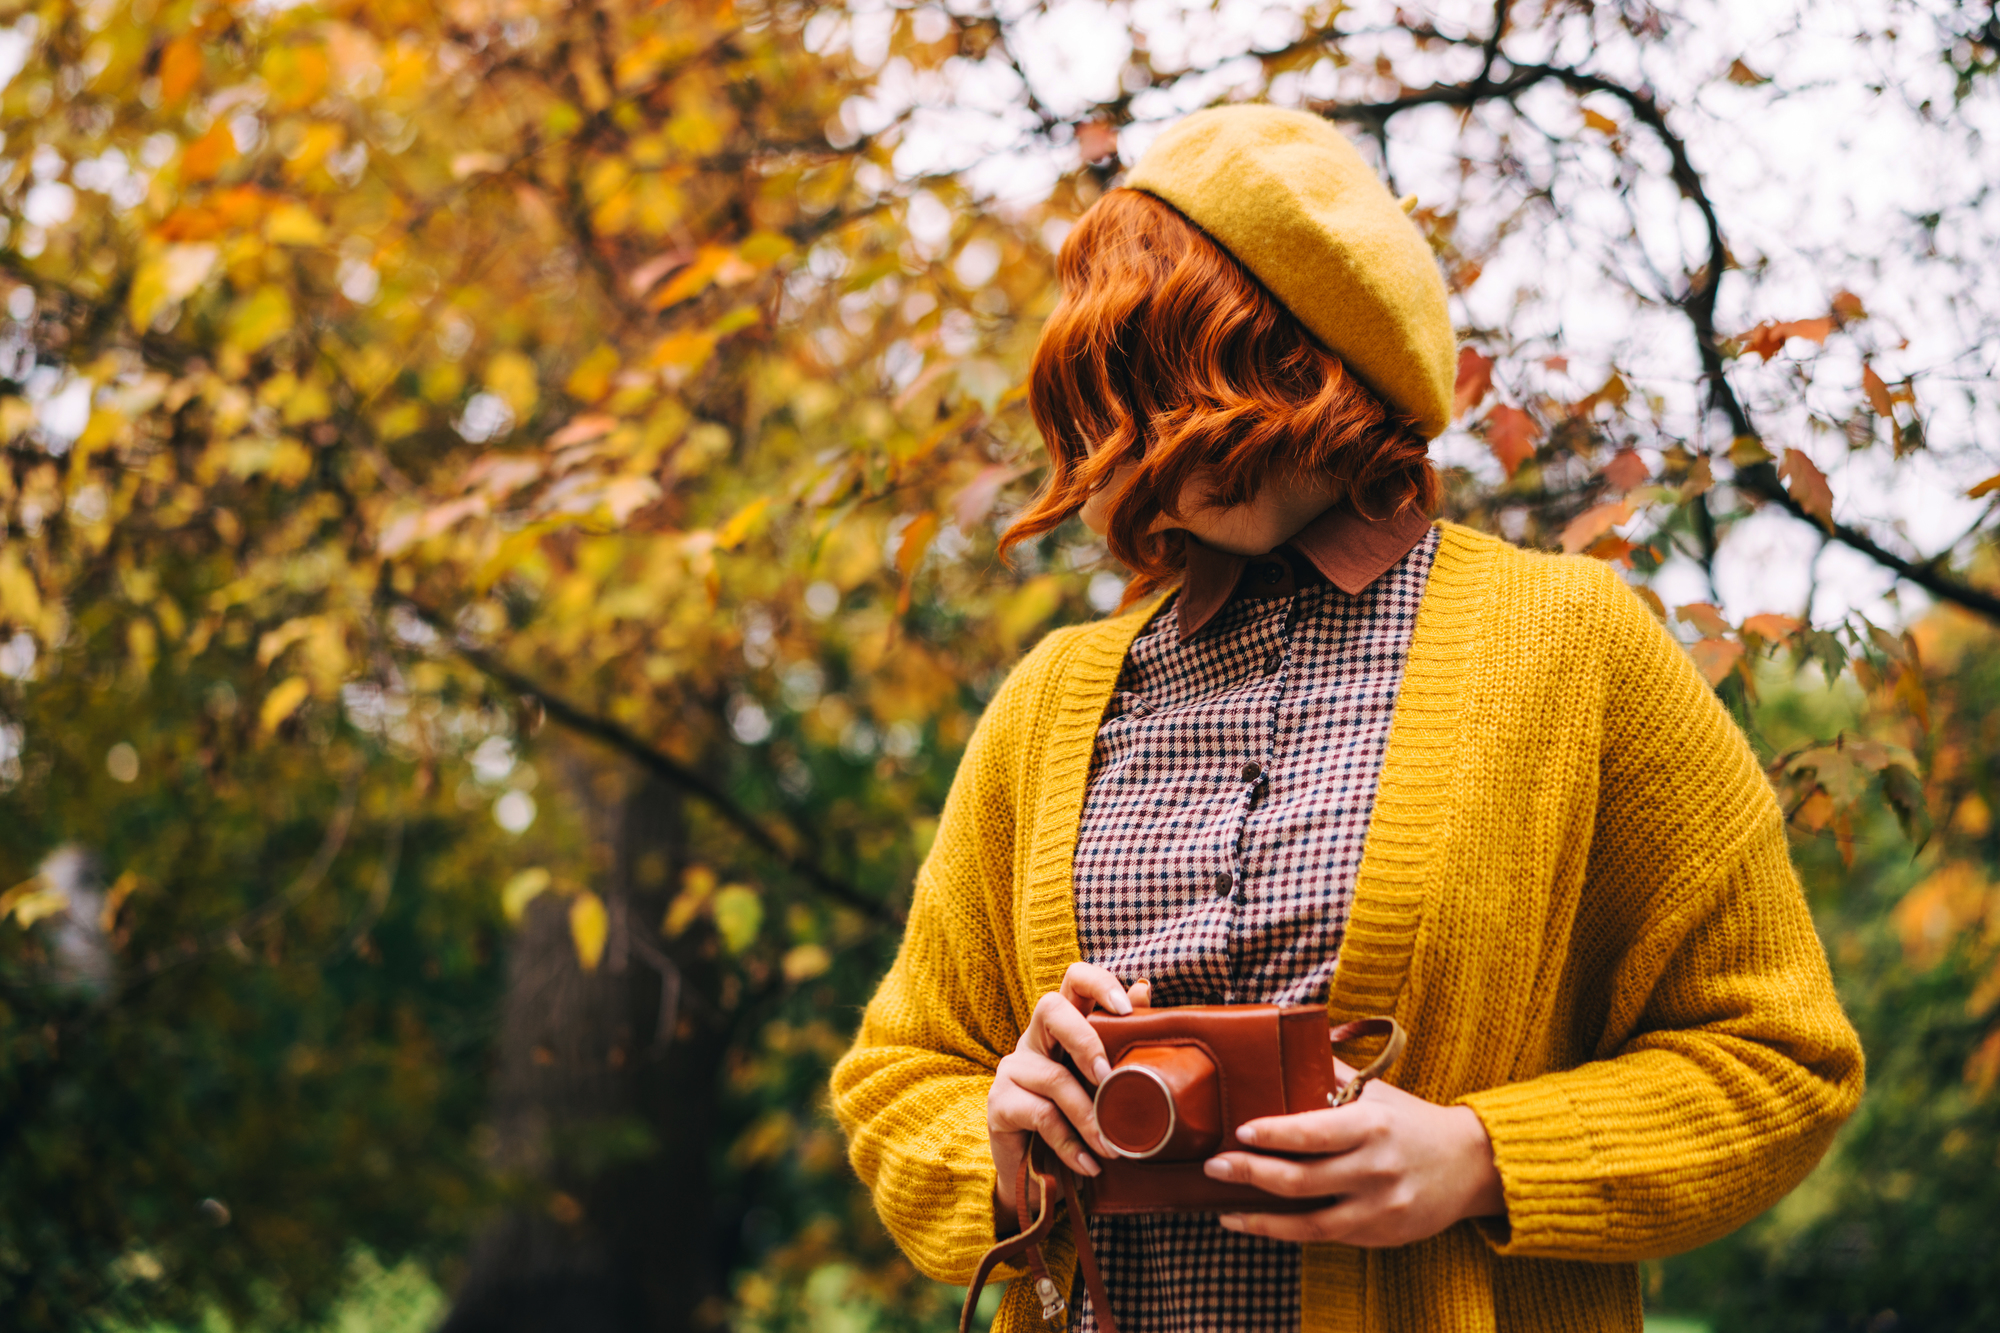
{"x": 1048, "y": 1174}
{"x": 1368, "y": 1027}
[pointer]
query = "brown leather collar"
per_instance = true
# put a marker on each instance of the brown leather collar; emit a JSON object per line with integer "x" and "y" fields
{"x": 1350, "y": 550}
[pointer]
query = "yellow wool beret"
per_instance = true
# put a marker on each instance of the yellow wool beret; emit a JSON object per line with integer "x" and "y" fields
{"x": 1289, "y": 196}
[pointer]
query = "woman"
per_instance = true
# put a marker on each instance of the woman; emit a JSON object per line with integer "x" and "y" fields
{"x": 1351, "y": 757}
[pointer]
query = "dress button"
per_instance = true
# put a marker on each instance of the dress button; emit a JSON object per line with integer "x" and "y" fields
{"x": 1272, "y": 661}
{"x": 1272, "y": 572}
{"x": 1252, "y": 771}
{"x": 1223, "y": 883}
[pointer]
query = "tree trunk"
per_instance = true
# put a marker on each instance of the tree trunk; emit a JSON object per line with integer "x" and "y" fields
{"x": 606, "y": 1106}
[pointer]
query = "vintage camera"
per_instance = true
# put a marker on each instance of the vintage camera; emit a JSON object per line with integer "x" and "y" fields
{"x": 1182, "y": 1080}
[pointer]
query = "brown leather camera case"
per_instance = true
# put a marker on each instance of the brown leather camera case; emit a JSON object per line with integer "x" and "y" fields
{"x": 1182, "y": 1080}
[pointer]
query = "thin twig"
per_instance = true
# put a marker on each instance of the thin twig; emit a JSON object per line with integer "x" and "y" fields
{"x": 662, "y": 766}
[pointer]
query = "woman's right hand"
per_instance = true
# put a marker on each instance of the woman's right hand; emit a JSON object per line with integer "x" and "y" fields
{"x": 1033, "y": 1094}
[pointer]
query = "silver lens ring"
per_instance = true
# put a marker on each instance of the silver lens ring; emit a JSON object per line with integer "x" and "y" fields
{"x": 1173, "y": 1112}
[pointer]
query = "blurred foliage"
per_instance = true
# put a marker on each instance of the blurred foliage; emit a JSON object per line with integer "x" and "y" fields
{"x": 406, "y": 406}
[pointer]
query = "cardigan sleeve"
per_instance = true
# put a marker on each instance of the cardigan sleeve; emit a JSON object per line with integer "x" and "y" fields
{"x": 911, "y": 1092}
{"x": 1725, "y": 1063}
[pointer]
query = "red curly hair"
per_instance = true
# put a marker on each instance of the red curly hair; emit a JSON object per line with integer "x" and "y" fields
{"x": 1166, "y": 352}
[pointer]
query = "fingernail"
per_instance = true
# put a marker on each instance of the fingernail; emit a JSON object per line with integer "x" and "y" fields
{"x": 1218, "y": 1169}
{"x": 1246, "y": 1133}
{"x": 1121, "y": 1003}
{"x": 1100, "y": 1069}
{"x": 1233, "y": 1221}
{"x": 1087, "y": 1164}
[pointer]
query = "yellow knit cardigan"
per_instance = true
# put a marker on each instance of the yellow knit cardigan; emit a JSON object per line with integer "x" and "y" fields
{"x": 1575, "y": 895}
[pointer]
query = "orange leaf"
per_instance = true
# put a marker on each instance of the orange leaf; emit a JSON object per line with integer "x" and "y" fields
{"x": 1475, "y": 379}
{"x": 209, "y": 154}
{"x": 1773, "y": 627}
{"x": 1984, "y": 488}
{"x": 1877, "y": 391}
{"x": 1814, "y": 812}
{"x": 1625, "y": 471}
{"x": 1653, "y": 603}
{"x": 1910, "y": 691}
{"x": 1593, "y": 523}
{"x": 1769, "y": 338}
{"x": 1741, "y": 73}
{"x": 1846, "y": 305}
{"x": 1096, "y": 140}
{"x": 1511, "y": 435}
{"x": 1706, "y": 619}
{"x": 1716, "y": 658}
{"x": 916, "y": 540}
{"x": 1600, "y": 122}
{"x": 693, "y": 279}
{"x": 1982, "y": 1069}
{"x": 180, "y": 68}
{"x": 1611, "y": 547}
{"x": 1808, "y": 485}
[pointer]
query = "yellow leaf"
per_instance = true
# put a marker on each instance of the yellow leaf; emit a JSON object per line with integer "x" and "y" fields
{"x": 685, "y": 351}
{"x": 259, "y": 319}
{"x": 122, "y": 888}
{"x": 1748, "y": 450}
{"x": 1025, "y": 610}
{"x": 806, "y": 962}
{"x": 739, "y": 915}
{"x": 170, "y": 275}
{"x": 293, "y": 224}
{"x": 296, "y": 74}
{"x": 512, "y": 376}
{"x": 697, "y": 887}
{"x": 588, "y": 927}
{"x": 733, "y": 533}
{"x": 591, "y": 379}
{"x": 20, "y": 599}
{"x": 37, "y": 901}
{"x": 318, "y": 141}
{"x": 282, "y": 702}
{"x": 523, "y": 888}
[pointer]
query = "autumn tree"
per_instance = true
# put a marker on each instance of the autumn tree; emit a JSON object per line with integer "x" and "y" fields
{"x": 501, "y": 502}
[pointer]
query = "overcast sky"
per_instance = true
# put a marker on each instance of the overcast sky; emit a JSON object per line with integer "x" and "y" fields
{"x": 1818, "y": 177}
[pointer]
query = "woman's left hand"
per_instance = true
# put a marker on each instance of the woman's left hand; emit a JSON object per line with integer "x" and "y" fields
{"x": 1403, "y": 1168}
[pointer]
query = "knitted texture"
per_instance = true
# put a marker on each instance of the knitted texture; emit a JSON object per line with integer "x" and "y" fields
{"x": 1575, "y": 895}
{"x": 1289, "y": 196}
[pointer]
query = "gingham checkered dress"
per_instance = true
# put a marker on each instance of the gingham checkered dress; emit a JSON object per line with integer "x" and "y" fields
{"x": 1229, "y": 797}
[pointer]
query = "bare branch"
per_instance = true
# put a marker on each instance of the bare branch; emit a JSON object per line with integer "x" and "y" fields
{"x": 1697, "y": 303}
{"x": 668, "y": 769}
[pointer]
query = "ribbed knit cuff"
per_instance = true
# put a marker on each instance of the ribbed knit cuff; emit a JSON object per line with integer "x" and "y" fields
{"x": 1555, "y": 1190}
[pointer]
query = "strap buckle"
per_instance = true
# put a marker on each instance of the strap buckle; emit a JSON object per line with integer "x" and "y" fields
{"x": 1053, "y": 1304}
